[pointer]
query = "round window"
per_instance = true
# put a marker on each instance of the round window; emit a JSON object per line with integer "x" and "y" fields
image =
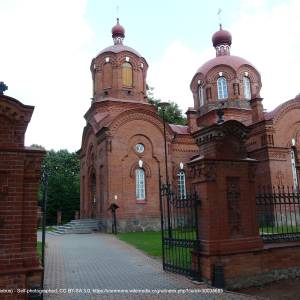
{"x": 139, "y": 148}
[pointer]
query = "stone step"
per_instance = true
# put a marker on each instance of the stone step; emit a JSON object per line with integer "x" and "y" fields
{"x": 53, "y": 233}
{"x": 83, "y": 220}
{"x": 79, "y": 231}
{"x": 79, "y": 226}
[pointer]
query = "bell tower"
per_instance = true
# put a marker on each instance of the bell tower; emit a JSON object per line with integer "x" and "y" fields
{"x": 119, "y": 72}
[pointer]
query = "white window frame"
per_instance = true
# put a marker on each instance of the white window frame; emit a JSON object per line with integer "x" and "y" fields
{"x": 247, "y": 87}
{"x": 140, "y": 184}
{"x": 222, "y": 88}
{"x": 181, "y": 184}
{"x": 201, "y": 95}
{"x": 294, "y": 170}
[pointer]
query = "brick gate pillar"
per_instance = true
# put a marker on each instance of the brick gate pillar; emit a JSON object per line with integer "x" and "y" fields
{"x": 19, "y": 182}
{"x": 224, "y": 178}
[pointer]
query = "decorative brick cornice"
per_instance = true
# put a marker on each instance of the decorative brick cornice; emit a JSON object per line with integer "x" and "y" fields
{"x": 229, "y": 104}
{"x": 207, "y": 170}
{"x": 15, "y": 110}
{"x": 261, "y": 127}
{"x": 218, "y": 132}
{"x": 267, "y": 153}
{"x": 183, "y": 149}
{"x": 184, "y": 139}
{"x": 278, "y": 154}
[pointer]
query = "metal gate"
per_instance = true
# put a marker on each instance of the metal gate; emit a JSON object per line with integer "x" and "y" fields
{"x": 179, "y": 223}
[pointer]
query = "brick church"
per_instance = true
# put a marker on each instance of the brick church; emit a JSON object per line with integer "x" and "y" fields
{"x": 122, "y": 154}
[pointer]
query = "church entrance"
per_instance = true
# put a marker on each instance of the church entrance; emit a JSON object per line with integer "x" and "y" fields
{"x": 179, "y": 221}
{"x": 93, "y": 196}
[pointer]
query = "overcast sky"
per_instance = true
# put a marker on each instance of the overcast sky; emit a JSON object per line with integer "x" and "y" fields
{"x": 47, "y": 46}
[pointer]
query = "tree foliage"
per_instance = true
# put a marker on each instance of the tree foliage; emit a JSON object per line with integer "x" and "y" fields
{"x": 37, "y": 146}
{"x": 63, "y": 170}
{"x": 173, "y": 114}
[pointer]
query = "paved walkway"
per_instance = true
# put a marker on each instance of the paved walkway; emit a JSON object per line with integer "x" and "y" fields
{"x": 96, "y": 264}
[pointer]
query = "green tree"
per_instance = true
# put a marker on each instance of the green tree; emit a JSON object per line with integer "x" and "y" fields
{"x": 63, "y": 170}
{"x": 37, "y": 146}
{"x": 173, "y": 114}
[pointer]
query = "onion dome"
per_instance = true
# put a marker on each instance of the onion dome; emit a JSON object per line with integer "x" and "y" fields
{"x": 118, "y": 33}
{"x": 222, "y": 41}
{"x": 221, "y": 37}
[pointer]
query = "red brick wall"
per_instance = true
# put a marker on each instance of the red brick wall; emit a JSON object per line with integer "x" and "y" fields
{"x": 228, "y": 229}
{"x": 274, "y": 262}
{"x": 19, "y": 182}
{"x": 111, "y": 156}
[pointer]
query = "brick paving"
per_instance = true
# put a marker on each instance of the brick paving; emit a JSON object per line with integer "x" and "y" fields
{"x": 101, "y": 261}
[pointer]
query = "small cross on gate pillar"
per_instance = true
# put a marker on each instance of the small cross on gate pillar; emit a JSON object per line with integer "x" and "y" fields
{"x": 3, "y": 87}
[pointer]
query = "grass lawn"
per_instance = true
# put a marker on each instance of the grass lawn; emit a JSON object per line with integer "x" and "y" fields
{"x": 280, "y": 229}
{"x": 48, "y": 228}
{"x": 149, "y": 242}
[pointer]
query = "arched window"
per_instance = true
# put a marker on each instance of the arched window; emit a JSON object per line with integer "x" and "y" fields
{"x": 294, "y": 170}
{"x": 247, "y": 87}
{"x": 140, "y": 184}
{"x": 201, "y": 95}
{"x": 222, "y": 88}
{"x": 107, "y": 75}
{"x": 181, "y": 184}
{"x": 127, "y": 74}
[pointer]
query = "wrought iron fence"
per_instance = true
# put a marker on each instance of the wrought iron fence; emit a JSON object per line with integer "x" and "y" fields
{"x": 278, "y": 213}
{"x": 179, "y": 232}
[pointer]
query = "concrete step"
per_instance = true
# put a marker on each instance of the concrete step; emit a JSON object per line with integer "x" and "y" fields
{"x": 79, "y": 226}
{"x": 53, "y": 233}
{"x": 83, "y": 221}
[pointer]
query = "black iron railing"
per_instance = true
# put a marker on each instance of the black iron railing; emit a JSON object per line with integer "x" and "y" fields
{"x": 278, "y": 213}
{"x": 179, "y": 216}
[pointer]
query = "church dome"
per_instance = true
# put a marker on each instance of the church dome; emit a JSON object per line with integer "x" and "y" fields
{"x": 118, "y": 30}
{"x": 235, "y": 62}
{"x": 119, "y": 48}
{"x": 221, "y": 37}
{"x": 118, "y": 35}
